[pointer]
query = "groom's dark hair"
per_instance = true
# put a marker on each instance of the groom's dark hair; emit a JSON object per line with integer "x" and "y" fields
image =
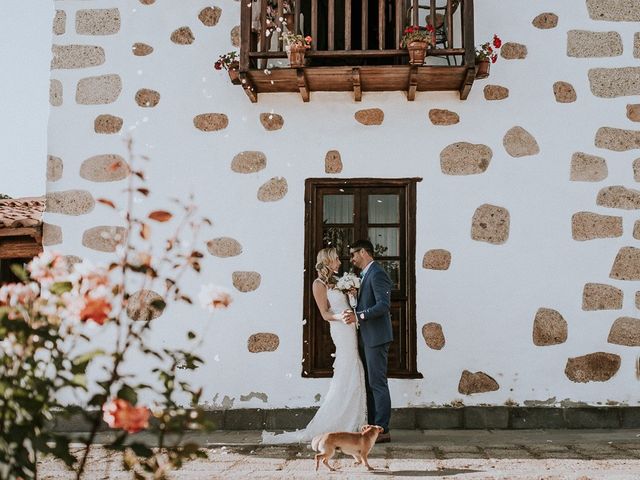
{"x": 362, "y": 244}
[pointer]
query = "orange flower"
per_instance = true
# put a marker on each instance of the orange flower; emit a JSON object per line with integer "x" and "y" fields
{"x": 212, "y": 297}
{"x": 119, "y": 413}
{"x": 96, "y": 309}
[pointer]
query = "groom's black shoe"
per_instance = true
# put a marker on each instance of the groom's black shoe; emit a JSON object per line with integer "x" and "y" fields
{"x": 383, "y": 438}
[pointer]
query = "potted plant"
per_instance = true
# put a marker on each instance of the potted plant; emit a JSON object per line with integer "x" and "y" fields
{"x": 296, "y": 45}
{"x": 416, "y": 39}
{"x": 486, "y": 54}
{"x": 229, "y": 61}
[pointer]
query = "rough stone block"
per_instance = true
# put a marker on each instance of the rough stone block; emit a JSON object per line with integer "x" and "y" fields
{"x": 593, "y": 367}
{"x": 478, "y": 382}
{"x": 273, "y": 190}
{"x": 333, "y": 162}
{"x": 490, "y": 224}
{"x": 589, "y": 226}
{"x": 585, "y": 44}
{"x": 618, "y": 196}
{"x": 209, "y": 16}
{"x": 519, "y": 143}
{"x": 51, "y": 234}
{"x": 437, "y": 259}
{"x": 463, "y": 158}
{"x": 439, "y": 418}
{"x": 636, "y": 45}
{"x": 98, "y": 21}
{"x": 545, "y": 21}
{"x": 636, "y": 169}
{"x": 564, "y": 92}
{"x": 244, "y": 419}
{"x": 403, "y": 418}
{"x": 60, "y": 22}
{"x": 234, "y": 36}
{"x": 141, "y": 49}
{"x": 55, "y": 93}
{"x": 626, "y": 266}
{"x": 614, "y": 82}
{"x": 288, "y": 418}
{"x": 107, "y": 124}
{"x": 99, "y": 90}
{"x": 182, "y": 36}
{"x": 588, "y": 168}
{"x": 370, "y": 116}
{"x": 617, "y": 139}
{"x": 495, "y": 92}
{"x": 598, "y": 296}
{"x": 271, "y": 121}
{"x": 433, "y": 336}
{"x": 145, "y": 305}
{"x": 224, "y": 247}
{"x": 443, "y": 117}
{"x": 513, "y": 51}
{"x": 104, "y": 168}
{"x": 263, "y": 342}
{"x": 249, "y": 162}
{"x": 625, "y": 331}
{"x": 211, "y": 122}
{"x": 70, "y": 202}
{"x": 591, "y": 417}
{"x": 614, "y": 10}
{"x": 636, "y": 230}
{"x": 246, "y": 281}
{"x": 76, "y": 56}
{"x": 537, "y": 418}
{"x": 104, "y": 238}
{"x": 55, "y": 168}
{"x": 633, "y": 112}
{"x": 146, "y": 97}
{"x": 549, "y": 328}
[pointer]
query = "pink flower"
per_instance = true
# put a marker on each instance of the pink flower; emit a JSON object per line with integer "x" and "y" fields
{"x": 212, "y": 297}
{"x": 119, "y": 413}
{"x": 18, "y": 294}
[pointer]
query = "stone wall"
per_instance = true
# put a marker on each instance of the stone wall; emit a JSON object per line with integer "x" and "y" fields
{"x": 528, "y": 289}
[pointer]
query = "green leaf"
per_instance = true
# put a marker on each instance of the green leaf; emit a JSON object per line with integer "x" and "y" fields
{"x": 59, "y": 288}
{"x": 141, "y": 449}
{"x": 128, "y": 393}
{"x": 191, "y": 335}
{"x": 19, "y": 271}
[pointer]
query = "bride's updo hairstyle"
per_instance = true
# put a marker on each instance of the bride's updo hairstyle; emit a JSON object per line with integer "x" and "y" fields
{"x": 325, "y": 257}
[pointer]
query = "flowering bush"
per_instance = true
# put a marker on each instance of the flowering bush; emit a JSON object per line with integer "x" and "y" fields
{"x": 489, "y": 50}
{"x": 227, "y": 61}
{"x": 293, "y": 39}
{"x": 416, "y": 33}
{"x": 51, "y": 323}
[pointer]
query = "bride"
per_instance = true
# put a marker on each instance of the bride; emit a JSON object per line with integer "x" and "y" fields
{"x": 344, "y": 408}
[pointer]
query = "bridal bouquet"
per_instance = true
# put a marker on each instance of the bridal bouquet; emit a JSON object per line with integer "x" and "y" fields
{"x": 349, "y": 281}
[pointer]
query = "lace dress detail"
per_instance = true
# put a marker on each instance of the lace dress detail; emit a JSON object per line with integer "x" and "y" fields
{"x": 344, "y": 407}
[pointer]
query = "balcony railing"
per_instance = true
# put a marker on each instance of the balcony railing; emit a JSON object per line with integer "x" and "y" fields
{"x": 356, "y": 46}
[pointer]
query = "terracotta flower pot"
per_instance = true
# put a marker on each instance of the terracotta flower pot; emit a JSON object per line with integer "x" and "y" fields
{"x": 295, "y": 53}
{"x": 417, "y": 52}
{"x": 482, "y": 68}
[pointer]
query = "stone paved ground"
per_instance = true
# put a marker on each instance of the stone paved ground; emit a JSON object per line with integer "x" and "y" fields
{"x": 446, "y": 454}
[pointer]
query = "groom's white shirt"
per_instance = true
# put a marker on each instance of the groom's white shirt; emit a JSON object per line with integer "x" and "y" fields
{"x": 365, "y": 269}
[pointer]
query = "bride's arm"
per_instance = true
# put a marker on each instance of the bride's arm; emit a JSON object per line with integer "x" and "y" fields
{"x": 320, "y": 295}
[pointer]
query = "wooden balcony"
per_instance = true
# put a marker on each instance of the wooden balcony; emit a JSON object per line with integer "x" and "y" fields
{"x": 336, "y": 60}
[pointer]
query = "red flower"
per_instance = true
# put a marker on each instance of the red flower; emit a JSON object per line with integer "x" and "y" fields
{"x": 308, "y": 39}
{"x": 494, "y": 58}
{"x": 96, "y": 309}
{"x": 218, "y": 65}
{"x": 497, "y": 43}
{"x": 119, "y": 413}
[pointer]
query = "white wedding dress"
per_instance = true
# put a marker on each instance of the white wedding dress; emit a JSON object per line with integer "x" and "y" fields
{"x": 344, "y": 408}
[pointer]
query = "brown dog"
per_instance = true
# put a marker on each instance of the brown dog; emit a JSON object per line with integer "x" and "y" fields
{"x": 357, "y": 445}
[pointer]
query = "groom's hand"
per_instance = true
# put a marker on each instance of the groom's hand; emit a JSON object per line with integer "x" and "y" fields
{"x": 348, "y": 317}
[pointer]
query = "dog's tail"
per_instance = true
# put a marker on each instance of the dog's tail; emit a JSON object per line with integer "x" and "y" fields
{"x": 315, "y": 443}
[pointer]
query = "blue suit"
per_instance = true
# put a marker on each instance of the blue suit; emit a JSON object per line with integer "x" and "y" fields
{"x": 374, "y": 338}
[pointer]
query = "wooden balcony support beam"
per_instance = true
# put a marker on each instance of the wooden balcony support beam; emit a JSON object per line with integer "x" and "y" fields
{"x": 357, "y": 90}
{"x": 413, "y": 83}
{"x": 248, "y": 87}
{"x": 465, "y": 88}
{"x": 302, "y": 85}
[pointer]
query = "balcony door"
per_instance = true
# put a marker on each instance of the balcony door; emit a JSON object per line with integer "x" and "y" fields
{"x": 337, "y": 213}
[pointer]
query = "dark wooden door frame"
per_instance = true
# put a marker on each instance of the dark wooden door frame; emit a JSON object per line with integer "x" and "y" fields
{"x": 311, "y": 187}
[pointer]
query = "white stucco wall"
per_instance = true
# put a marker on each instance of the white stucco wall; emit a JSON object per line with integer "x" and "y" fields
{"x": 486, "y": 301}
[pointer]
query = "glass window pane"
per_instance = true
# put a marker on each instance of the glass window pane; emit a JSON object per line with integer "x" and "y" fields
{"x": 385, "y": 241}
{"x": 384, "y": 209}
{"x": 337, "y": 209}
{"x": 392, "y": 267}
{"x": 338, "y": 237}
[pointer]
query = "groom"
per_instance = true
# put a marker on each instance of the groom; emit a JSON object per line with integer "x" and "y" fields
{"x": 375, "y": 333}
